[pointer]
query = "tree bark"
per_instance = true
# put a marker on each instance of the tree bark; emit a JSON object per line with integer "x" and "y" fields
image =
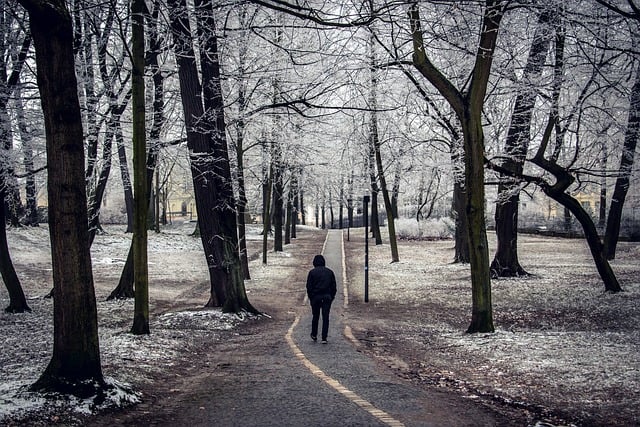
{"x": 278, "y": 202}
{"x": 31, "y": 192}
{"x": 375, "y": 146}
{"x": 505, "y": 262}
{"x": 288, "y": 213}
{"x": 267, "y": 186}
{"x": 75, "y": 364}
{"x": 621, "y": 188}
{"x": 468, "y": 108}
{"x": 374, "y": 224}
{"x": 207, "y": 143}
{"x": 17, "y": 299}
{"x": 125, "y": 288}
{"x": 141, "y": 194}
{"x": 294, "y": 205}
{"x": 607, "y": 275}
{"x": 462, "y": 254}
{"x": 126, "y": 182}
{"x": 242, "y": 192}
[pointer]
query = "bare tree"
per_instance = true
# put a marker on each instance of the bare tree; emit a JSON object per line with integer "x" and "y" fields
{"x": 505, "y": 262}
{"x": 468, "y": 108}
{"x": 206, "y": 138}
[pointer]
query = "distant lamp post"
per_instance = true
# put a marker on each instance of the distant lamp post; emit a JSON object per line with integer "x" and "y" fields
{"x": 365, "y": 215}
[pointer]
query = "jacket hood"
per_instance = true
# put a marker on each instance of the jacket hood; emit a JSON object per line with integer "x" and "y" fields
{"x": 318, "y": 261}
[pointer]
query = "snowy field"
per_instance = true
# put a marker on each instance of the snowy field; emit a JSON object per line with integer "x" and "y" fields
{"x": 562, "y": 345}
{"x": 177, "y": 280}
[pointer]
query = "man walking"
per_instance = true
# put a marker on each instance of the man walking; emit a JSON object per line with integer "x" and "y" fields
{"x": 321, "y": 290}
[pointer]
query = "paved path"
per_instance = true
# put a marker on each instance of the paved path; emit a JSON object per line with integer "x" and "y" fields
{"x": 277, "y": 376}
{"x": 377, "y": 397}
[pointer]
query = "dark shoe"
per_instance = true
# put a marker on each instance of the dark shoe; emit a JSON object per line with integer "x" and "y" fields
{"x": 314, "y": 337}
{"x": 324, "y": 341}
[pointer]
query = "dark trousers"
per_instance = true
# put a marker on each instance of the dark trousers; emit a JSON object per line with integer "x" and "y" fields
{"x": 322, "y": 302}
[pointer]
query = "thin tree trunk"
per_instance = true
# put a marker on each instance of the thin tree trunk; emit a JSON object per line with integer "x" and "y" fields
{"x": 294, "y": 210}
{"x": 395, "y": 192}
{"x": 374, "y": 224}
{"x": 462, "y": 254}
{"x": 95, "y": 199}
{"x": 331, "y": 210}
{"x": 125, "y": 287}
{"x": 126, "y": 181}
{"x": 242, "y": 196}
{"x": 278, "y": 190}
{"x": 17, "y": 299}
{"x": 303, "y": 214}
{"x": 266, "y": 203}
{"x": 287, "y": 217}
{"x": 607, "y": 275}
{"x": 340, "y": 214}
{"x": 375, "y": 146}
{"x": 31, "y": 192}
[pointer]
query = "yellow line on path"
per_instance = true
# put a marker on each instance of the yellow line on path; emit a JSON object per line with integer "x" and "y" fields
{"x": 336, "y": 385}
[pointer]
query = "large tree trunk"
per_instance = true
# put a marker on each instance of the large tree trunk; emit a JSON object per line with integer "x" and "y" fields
{"x": 209, "y": 155}
{"x": 75, "y": 365}
{"x": 468, "y": 108}
{"x": 198, "y": 142}
{"x": 624, "y": 172}
{"x": 482, "y": 311}
{"x": 505, "y": 262}
{"x": 225, "y": 232}
{"x": 141, "y": 197}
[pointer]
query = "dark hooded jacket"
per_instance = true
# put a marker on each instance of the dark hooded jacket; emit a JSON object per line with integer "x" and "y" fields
{"x": 320, "y": 281}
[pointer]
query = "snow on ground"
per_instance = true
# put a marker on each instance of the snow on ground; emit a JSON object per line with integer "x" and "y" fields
{"x": 561, "y": 342}
{"x": 176, "y": 267}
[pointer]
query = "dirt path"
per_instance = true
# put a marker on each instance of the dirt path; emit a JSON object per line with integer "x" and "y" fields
{"x": 269, "y": 373}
